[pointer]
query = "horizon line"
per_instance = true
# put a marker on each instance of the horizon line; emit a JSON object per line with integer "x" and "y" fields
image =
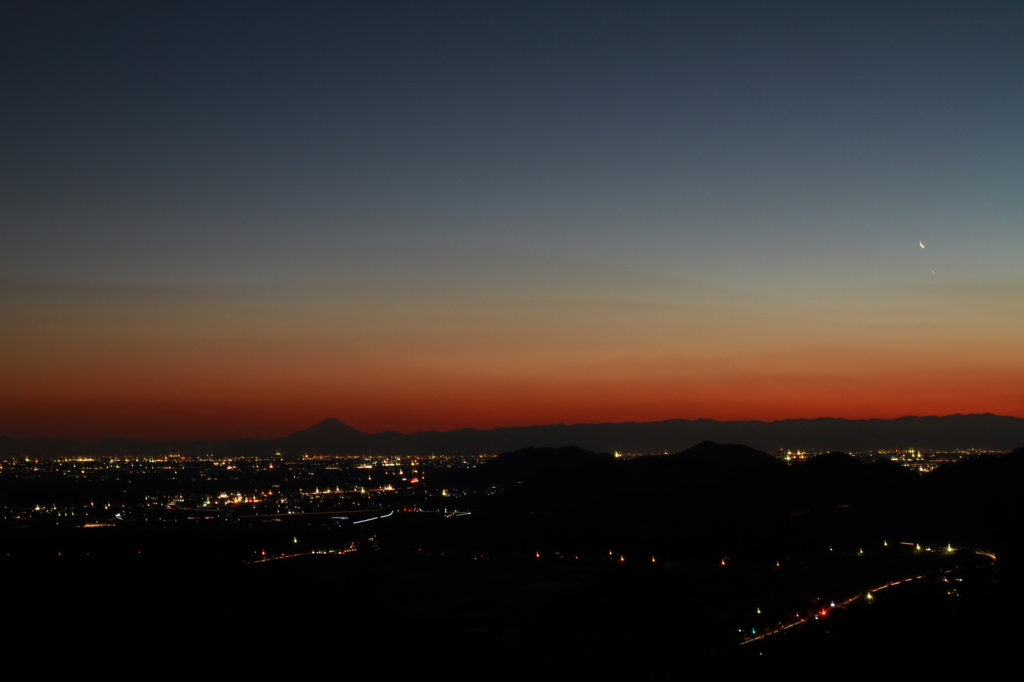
{"x": 496, "y": 428}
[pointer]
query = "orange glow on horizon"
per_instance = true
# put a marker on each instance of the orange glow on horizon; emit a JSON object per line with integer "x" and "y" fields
{"x": 414, "y": 375}
{"x": 277, "y": 410}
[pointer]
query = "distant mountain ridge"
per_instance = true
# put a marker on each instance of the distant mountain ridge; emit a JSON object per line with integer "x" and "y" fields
{"x": 332, "y": 436}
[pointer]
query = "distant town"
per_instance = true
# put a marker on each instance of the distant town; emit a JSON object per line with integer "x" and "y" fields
{"x": 94, "y": 491}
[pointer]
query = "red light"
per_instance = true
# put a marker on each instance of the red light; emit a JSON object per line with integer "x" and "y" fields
{"x": 823, "y": 612}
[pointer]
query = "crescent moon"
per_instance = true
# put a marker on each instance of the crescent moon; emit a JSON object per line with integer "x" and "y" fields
{"x": 921, "y": 243}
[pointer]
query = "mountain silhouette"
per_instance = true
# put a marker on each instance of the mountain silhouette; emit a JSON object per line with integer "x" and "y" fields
{"x": 728, "y": 456}
{"x": 528, "y": 462}
{"x": 329, "y": 427}
{"x": 833, "y": 464}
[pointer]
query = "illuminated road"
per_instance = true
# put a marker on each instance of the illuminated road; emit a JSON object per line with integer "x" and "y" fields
{"x": 315, "y": 552}
{"x": 351, "y": 548}
{"x": 867, "y": 595}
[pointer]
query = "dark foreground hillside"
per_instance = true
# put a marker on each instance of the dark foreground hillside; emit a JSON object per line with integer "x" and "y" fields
{"x": 655, "y": 568}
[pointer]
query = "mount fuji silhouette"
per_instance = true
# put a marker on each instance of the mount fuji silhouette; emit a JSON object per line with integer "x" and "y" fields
{"x": 329, "y": 427}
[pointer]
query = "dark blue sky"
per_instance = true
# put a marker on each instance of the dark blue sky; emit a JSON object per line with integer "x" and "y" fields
{"x": 352, "y": 205}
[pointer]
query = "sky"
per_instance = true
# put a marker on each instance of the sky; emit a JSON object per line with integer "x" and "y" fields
{"x": 228, "y": 219}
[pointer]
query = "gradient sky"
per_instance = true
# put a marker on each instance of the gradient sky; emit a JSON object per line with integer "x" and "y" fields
{"x": 224, "y": 219}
